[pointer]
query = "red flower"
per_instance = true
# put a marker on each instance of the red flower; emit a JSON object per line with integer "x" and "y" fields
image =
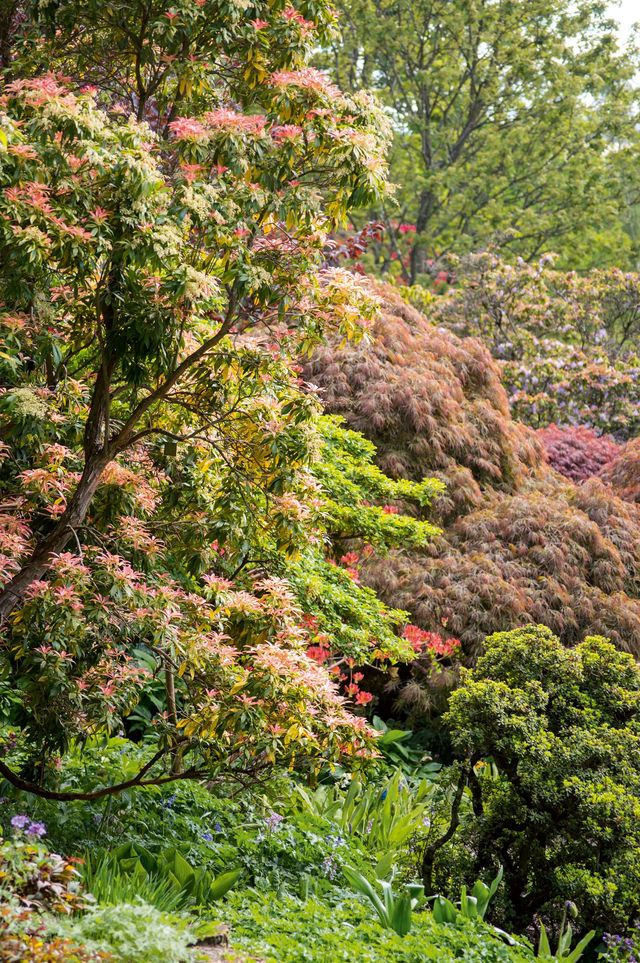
{"x": 363, "y": 698}
{"x": 318, "y": 654}
{"x": 350, "y": 559}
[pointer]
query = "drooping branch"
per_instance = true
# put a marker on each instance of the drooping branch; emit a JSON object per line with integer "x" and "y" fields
{"x": 67, "y": 796}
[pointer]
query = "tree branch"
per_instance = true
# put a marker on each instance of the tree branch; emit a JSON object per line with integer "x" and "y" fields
{"x": 137, "y": 780}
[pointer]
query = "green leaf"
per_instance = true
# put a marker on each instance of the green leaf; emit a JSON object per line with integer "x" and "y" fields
{"x": 223, "y": 883}
{"x": 579, "y": 949}
{"x": 444, "y": 911}
{"x": 401, "y": 917}
{"x": 544, "y": 950}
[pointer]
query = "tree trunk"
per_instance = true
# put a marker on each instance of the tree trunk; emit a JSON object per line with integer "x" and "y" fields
{"x": 426, "y": 208}
{"x": 9, "y": 21}
{"x": 75, "y": 513}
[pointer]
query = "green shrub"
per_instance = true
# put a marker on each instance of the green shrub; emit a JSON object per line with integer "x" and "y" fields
{"x": 560, "y": 806}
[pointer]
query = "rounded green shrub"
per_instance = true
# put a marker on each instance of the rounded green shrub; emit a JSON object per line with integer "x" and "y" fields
{"x": 559, "y": 803}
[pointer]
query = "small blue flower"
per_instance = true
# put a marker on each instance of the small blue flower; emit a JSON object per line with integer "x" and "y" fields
{"x": 329, "y": 867}
{"x": 207, "y": 836}
{"x": 273, "y": 822}
{"x": 217, "y": 827}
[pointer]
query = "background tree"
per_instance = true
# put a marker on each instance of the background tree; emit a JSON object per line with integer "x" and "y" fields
{"x": 512, "y": 118}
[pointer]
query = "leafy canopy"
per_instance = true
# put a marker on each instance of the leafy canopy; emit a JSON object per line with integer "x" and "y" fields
{"x": 161, "y": 518}
{"x": 513, "y": 121}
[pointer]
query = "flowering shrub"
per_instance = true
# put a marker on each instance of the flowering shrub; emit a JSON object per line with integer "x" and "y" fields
{"x": 34, "y": 878}
{"x": 571, "y": 386}
{"x": 577, "y": 453}
{"x": 568, "y": 343}
{"x": 162, "y": 525}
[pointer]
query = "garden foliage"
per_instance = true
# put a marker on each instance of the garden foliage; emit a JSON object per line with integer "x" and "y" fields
{"x": 170, "y": 495}
{"x": 503, "y": 127}
{"x": 249, "y": 497}
{"x": 577, "y": 453}
{"x": 567, "y": 343}
{"x": 558, "y": 806}
{"x": 623, "y": 472}
{"x": 519, "y": 544}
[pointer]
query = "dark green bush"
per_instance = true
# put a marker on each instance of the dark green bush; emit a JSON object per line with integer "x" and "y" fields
{"x": 559, "y": 805}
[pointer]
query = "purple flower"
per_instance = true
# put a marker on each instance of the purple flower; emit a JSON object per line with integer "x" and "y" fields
{"x": 36, "y": 829}
{"x": 335, "y": 841}
{"x": 217, "y": 827}
{"x": 207, "y": 836}
{"x": 20, "y": 822}
{"x": 329, "y": 867}
{"x": 273, "y": 822}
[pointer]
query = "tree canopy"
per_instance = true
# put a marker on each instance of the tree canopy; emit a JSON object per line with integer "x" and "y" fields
{"x": 514, "y": 120}
{"x": 166, "y": 544}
